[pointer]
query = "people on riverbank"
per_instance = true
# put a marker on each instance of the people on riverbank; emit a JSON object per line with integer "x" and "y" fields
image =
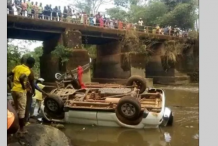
{"x": 37, "y": 99}
{"x": 21, "y": 75}
{"x": 12, "y": 120}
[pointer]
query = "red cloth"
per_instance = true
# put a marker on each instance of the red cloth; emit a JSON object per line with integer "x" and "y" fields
{"x": 80, "y": 73}
{"x": 120, "y": 25}
{"x": 101, "y": 22}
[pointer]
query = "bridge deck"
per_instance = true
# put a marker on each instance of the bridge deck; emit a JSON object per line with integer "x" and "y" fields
{"x": 38, "y": 29}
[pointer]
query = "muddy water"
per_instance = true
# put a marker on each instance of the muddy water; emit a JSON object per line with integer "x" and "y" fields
{"x": 184, "y": 102}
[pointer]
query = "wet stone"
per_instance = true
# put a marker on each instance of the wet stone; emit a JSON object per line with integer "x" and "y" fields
{"x": 43, "y": 135}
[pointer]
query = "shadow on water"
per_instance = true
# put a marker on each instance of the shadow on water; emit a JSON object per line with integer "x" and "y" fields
{"x": 183, "y": 101}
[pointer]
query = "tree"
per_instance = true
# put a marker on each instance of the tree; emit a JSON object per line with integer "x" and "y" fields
{"x": 36, "y": 54}
{"x": 126, "y": 3}
{"x": 183, "y": 16}
{"x": 117, "y": 13}
{"x": 90, "y": 6}
{"x": 163, "y": 12}
{"x": 15, "y": 53}
{"x": 149, "y": 13}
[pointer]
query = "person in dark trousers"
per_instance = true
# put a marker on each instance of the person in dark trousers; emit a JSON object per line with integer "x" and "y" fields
{"x": 32, "y": 9}
{"x": 59, "y": 13}
{"x": 50, "y": 12}
{"x": 40, "y": 8}
{"x": 65, "y": 12}
{"x": 45, "y": 12}
{"x": 9, "y": 6}
{"x": 21, "y": 75}
{"x": 54, "y": 13}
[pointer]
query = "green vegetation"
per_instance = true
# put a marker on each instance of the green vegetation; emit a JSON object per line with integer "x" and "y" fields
{"x": 15, "y": 53}
{"x": 163, "y": 12}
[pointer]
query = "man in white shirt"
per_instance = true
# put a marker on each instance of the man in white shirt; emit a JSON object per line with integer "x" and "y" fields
{"x": 140, "y": 22}
{"x": 73, "y": 16}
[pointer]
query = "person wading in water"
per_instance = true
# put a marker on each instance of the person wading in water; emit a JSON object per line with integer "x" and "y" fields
{"x": 20, "y": 75}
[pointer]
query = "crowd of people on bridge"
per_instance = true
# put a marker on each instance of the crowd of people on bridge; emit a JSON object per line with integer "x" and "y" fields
{"x": 32, "y": 9}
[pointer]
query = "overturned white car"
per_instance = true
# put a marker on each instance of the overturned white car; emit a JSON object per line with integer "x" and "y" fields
{"x": 102, "y": 108}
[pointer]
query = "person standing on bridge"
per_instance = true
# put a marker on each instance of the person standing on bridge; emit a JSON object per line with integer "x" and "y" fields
{"x": 21, "y": 74}
{"x": 97, "y": 16}
{"x": 82, "y": 18}
{"x": 73, "y": 16}
{"x": 18, "y": 6}
{"x": 54, "y": 13}
{"x": 59, "y": 13}
{"x": 24, "y": 8}
{"x": 69, "y": 11}
{"x": 140, "y": 22}
{"x": 50, "y": 12}
{"x": 9, "y": 6}
{"x": 40, "y": 8}
{"x": 91, "y": 21}
{"x": 45, "y": 12}
{"x": 36, "y": 10}
{"x": 65, "y": 13}
{"x": 29, "y": 9}
{"x": 101, "y": 21}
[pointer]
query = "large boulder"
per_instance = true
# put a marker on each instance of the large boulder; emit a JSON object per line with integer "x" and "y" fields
{"x": 43, "y": 135}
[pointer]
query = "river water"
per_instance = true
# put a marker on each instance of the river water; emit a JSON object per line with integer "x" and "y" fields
{"x": 184, "y": 102}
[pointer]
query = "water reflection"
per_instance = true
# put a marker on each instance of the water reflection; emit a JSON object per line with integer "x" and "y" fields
{"x": 104, "y": 136}
{"x": 183, "y": 102}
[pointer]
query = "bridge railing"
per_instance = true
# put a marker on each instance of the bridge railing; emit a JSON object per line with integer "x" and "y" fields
{"x": 120, "y": 25}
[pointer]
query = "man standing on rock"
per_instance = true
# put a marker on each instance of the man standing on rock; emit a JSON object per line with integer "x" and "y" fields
{"x": 29, "y": 88}
{"x": 20, "y": 74}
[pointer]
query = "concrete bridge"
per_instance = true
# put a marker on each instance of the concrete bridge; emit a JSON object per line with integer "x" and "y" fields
{"x": 72, "y": 36}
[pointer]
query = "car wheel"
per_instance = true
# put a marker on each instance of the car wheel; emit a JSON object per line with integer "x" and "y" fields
{"x": 54, "y": 104}
{"x": 128, "y": 108}
{"x": 139, "y": 81}
{"x": 58, "y": 76}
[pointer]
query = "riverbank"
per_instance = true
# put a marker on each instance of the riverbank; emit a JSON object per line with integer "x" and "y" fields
{"x": 40, "y": 135}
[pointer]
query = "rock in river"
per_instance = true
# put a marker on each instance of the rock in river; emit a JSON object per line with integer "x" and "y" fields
{"x": 43, "y": 135}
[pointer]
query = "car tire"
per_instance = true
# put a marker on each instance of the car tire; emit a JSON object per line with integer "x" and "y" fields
{"x": 59, "y": 77}
{"x": 130, "y": 122}
{"x": 54, "y": 104}
{"x": 140, "y": 81}
{"x": 128, "y": 108}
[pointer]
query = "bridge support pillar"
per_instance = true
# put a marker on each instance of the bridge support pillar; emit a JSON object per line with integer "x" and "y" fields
{"x": 107, "y": 66}
{"x": 72, "y": 39}
{"x": 155, "y": 70}
{"x": 49, "y": 65}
